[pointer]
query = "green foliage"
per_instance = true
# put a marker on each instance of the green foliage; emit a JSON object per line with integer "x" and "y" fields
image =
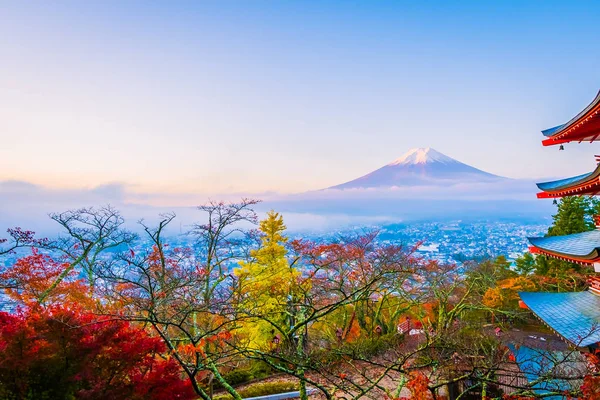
{"x": 365, "y": 348}
{"x": 256, "y": 370}
{"x": 262, "y": 389}
{"x": 487, "y": 273}
{"x": 525, "y": 264}
{"x": 574, "y": 215}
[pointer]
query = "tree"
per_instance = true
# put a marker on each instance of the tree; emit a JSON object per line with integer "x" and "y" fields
{"x": 266, "y": 282}
{"x": 31, "y": 276}
{"x": 18, "y": 238}
{"x": 332, "y": 279}
{"x": 574, "y": 215}
{"x": 504, "y": 296}
{"x": 184, "y": 294}
{"x": 89, "y": 235}
{"x": 62, "y": 352}
{"x": 525, "y": 264}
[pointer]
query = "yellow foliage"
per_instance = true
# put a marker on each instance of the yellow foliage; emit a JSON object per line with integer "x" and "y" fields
{"x": 266, "y": 282}
{"x": 493, "y": 298}
{"x": 506, "y": 291}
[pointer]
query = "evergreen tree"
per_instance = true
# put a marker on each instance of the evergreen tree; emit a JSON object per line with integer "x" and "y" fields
{"x": 525, "y": 264}
{"x": 575, "y": 214}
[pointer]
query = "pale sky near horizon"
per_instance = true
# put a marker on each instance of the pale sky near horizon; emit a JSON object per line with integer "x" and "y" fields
{"x": 287, "y": 96}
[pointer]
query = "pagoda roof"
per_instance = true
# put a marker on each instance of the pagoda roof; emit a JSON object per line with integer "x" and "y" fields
{"x": 581, "y": 247}
{"x": 584, "y": 126}
{"x": 575, "y": 316}
{"x": 588, "y": 183}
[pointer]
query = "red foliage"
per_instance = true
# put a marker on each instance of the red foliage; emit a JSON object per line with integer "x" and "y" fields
{"x": 418, "y": 384}
{"x": 60, "y": 352}
{"x": 30, "y": 276}
{"x": 591, "y": 387}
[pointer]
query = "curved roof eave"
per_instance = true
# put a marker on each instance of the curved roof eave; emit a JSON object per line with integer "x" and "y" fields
{"x": 574, "y": 315}
{"x": 583, "y": 246}
{"x": 560, "y": 128}
{"x": 566, "y": 183}
{"x": 561, "y": 184}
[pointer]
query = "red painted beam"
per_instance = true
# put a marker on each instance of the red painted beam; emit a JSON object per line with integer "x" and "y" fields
{"x": 552, "y": 142}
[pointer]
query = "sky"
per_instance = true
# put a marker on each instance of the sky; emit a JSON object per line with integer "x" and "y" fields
{"x": 211, "y": 97}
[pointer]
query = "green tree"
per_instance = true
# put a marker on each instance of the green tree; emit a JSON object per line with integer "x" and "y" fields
{"x": 488, "y": 272}
{"x": 525, "y": 264}
{"x": 575, "y": 214}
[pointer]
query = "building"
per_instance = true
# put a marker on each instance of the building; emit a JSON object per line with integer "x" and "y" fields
{"x": 573, "y": 316}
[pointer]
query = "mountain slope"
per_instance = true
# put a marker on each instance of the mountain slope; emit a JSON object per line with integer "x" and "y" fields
{"x": 418, "y": 167}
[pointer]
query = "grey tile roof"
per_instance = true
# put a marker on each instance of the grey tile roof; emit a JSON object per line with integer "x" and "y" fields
{"x": 575, "y": 316}
{"x": 567, "y": 182}
{"x": 585, "y": 244}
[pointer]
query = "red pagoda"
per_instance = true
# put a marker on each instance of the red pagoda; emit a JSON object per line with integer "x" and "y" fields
{"x": 584, "y": 126}
{"x": 574, "y": 316}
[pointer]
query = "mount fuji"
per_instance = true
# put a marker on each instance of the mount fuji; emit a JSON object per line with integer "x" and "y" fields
{"x": 423, "y": 184}
{"x": 420, "y": 167}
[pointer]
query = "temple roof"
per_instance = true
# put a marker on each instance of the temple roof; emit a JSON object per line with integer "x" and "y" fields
{"x": 575, "y": 316}
{"x": 584, "y": 246}
{"x": 584, "y": 126}
{"x": 570, "y": 183}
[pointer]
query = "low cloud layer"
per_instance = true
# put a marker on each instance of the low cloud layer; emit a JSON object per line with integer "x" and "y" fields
{"x": 27, "y": 205}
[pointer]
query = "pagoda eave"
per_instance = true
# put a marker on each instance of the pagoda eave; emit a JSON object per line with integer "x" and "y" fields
{"x": 552, "y": 142}
{"x": 585, "y": 184}
{"x": 585, "y": 126}
{"x": 588, "y": 190}
{"x": 564, "y": 257}
{"x": 575, "y": 137}
{"x": 574, "y": 316}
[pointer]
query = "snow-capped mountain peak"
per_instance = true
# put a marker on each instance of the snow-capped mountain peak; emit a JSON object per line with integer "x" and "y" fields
{"x": 418, "y": 167}
{"x": 422, "y": 155}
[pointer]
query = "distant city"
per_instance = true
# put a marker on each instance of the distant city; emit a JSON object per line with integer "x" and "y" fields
{"x": 458, "y": 241}
{"x": 446, "y": 242}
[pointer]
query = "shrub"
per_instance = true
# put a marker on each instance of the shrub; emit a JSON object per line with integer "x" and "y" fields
{"x": 62, "y": 353}
{"x": 262, "y": 389}
{"x": 364, "y": 348}
{"x": 255, "y": 370}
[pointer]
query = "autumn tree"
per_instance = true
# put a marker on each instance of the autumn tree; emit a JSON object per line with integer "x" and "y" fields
{"x": 329, "y": 280}
{"x": 184, "y": 294}
{"x": 29, "y": 277}
{"x": 61, "y": 352}
{"x": 505, "y": 294}
{"x": 18, "y": 238}
{"x": 267, "y": 282}
{"x": 88, "y": 237}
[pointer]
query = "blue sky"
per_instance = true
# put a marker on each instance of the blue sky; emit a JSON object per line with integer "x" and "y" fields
{"x": 286, "y": 96}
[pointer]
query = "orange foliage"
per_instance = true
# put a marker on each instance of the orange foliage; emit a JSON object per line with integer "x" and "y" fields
{"x": 30, "y": 276}
{"x": 354, "y": 331}
{"x": 418, "y": 384}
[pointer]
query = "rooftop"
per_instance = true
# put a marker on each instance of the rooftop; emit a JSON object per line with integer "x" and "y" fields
{"x": 585, "y": 245}
{"x": 575, "y": 316}
{"x": 584, "y": 126}
{"x": 570, "y": 183}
